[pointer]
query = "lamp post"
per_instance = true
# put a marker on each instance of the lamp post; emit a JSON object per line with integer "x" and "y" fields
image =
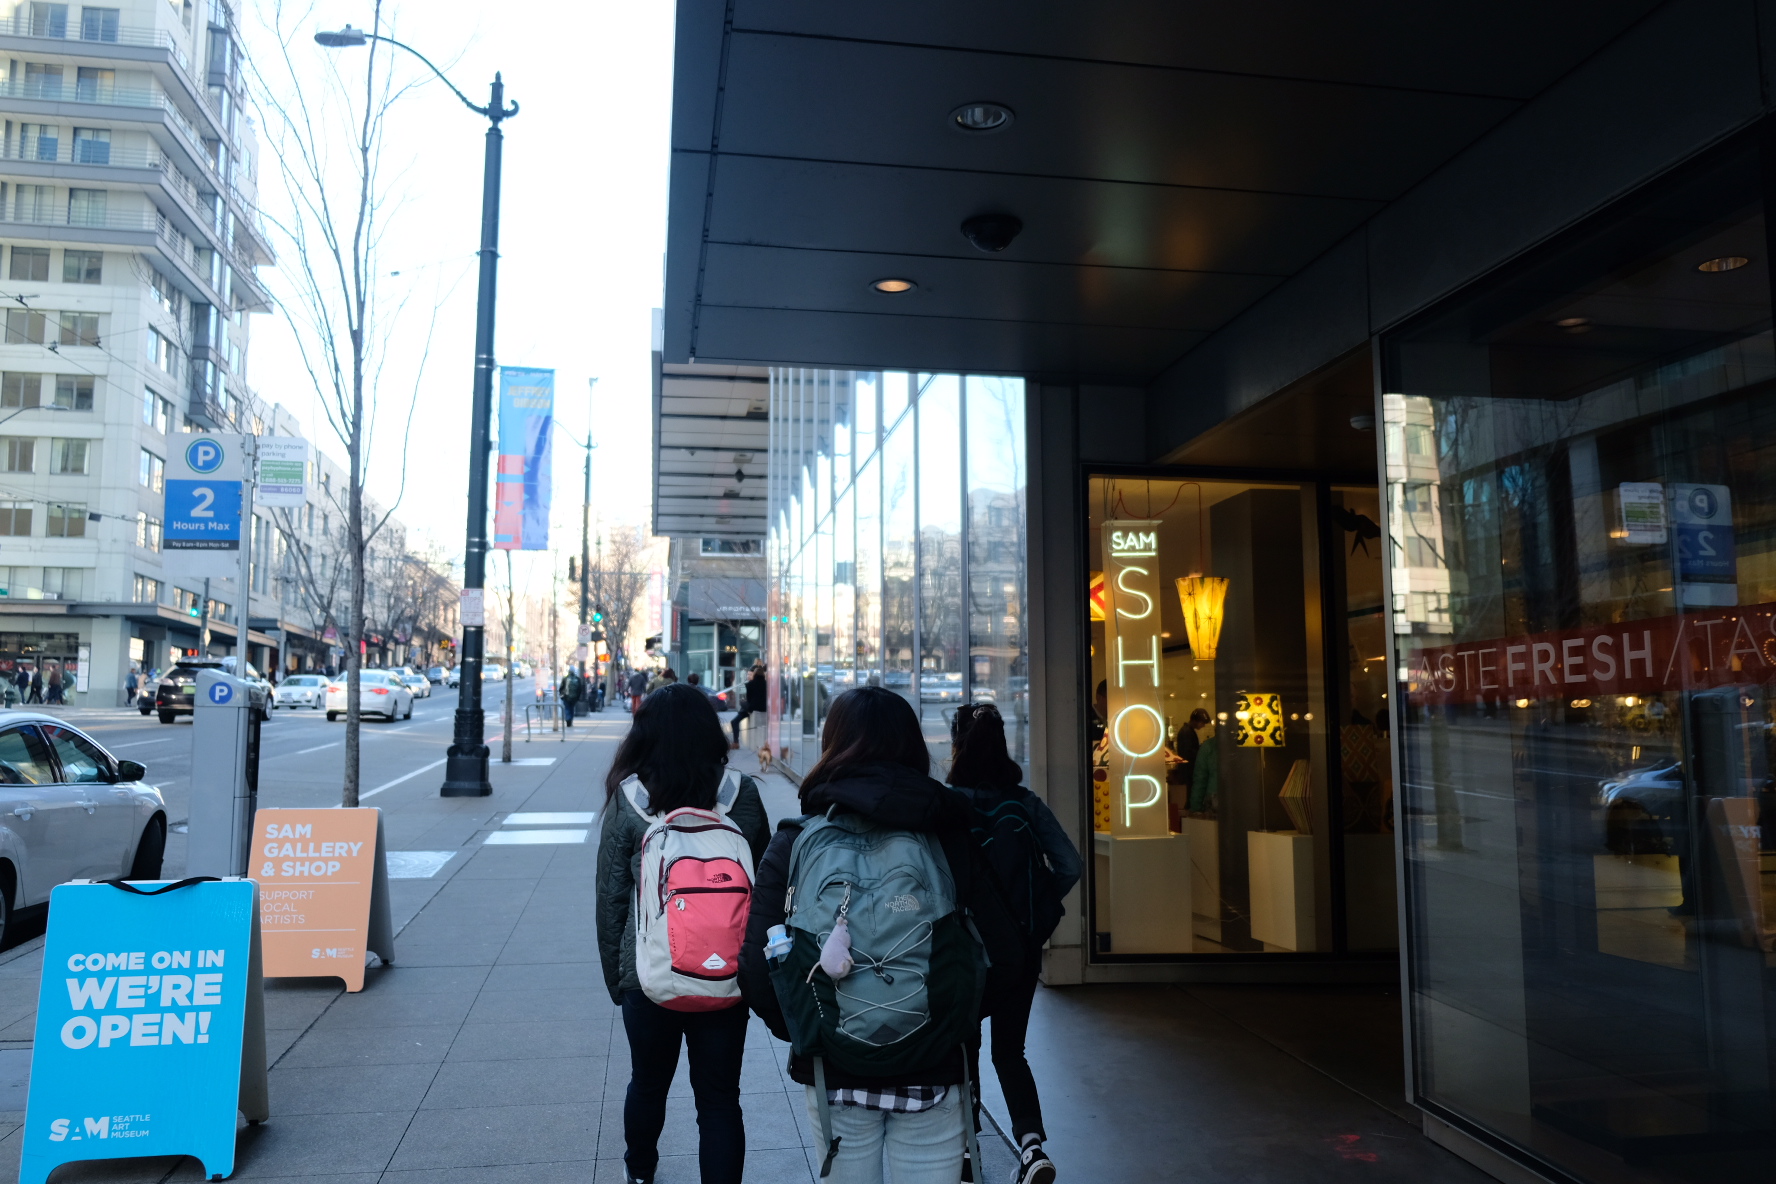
{"x": 465, "y": 770}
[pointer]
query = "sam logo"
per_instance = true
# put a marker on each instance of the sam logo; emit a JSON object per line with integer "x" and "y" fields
{"x": 62, "y": 1129}
{"x": 1134, "y": 542}
{"x": 335, "y": 952}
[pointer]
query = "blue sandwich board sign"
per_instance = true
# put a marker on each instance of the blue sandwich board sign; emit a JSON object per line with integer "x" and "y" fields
{"x": 150, "y": 1026}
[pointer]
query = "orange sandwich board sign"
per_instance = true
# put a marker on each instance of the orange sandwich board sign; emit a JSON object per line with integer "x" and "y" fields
{"x": 323, "y": 892}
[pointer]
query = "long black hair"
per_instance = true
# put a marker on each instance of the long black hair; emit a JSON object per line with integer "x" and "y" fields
{"x": 982, "y": 760}
{"x": 676, "y": 746}
{"x": 868, "y": 726}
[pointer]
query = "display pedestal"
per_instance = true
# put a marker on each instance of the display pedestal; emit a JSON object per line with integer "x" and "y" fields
{"x": 1282, "y": 883}
{"x": 1205, "y": 875}
{"x": 1148, "y": 885}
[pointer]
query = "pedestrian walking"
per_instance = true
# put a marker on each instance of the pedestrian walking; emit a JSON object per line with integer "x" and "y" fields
{"x": 36, "y": 687}
{"x": 899, "y": 1089}
{"x": 1035, "y": 865}
{"x": 638, "y": 686}
{"x": 131, "y": 682}
{"x": 54, "y": 683}
{"x": 751, "y": 697}
{"x": 21, "y": 679}
{"x": 673, "y": 758}
{"x": 571, "y": 688}
{"x": 665, "y": 678}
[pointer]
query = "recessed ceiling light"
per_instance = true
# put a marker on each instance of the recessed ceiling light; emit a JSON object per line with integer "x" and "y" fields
{"x": 1572, "y": 322}
{"x": 982, "y": 117}
{"x": 893, "y": 286}
{"x": 1724, "y": 263}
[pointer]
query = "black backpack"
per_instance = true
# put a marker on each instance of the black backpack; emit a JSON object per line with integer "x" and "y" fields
{"x": 1006, "y": 836}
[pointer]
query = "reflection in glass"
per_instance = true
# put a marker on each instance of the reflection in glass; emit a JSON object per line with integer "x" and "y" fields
{"x": 869, "y": 574}
{"x": 941, "y": 636}
{"x": 899, "y": 563}
{"x": 997, "y": 574}
{"x": 1582, "y": 515}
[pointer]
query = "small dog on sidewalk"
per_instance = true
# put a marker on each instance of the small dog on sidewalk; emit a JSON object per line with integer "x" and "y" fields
{"x": 765, "y": 759}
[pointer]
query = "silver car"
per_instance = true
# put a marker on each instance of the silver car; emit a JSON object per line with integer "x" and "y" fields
{"x": 301, "y": 690}
{"x": 69, "y": 810}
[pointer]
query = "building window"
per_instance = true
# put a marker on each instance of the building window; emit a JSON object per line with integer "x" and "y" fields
{"x": 146, "y": 590}
{"x": 48, "y": 20}
{"x": 82, "y": 267}
{"x": 62, "y": 583}
{"x": 15, "y": 519}
{"x": 92, "y": 145}
{"x": 150, "y": 405}
{"x": 25, "y": 326}
{"x": 30, "y": 263}
{"x": 166, "y": 295}
{"x": 160, "y": 352}
{"x": 68, "y": 456}
{"x": 153, "y": 473}
{"x": 65, "y": 521}
{"x": 34, "y": 203}
{"x": 86, "y": 207}
{"x": 43, "y": 80}
{"x": 99, "y": 24}
{"x": 80, "y": 328}
{"x": 95, "y": 84}
{"x": 148, "y": 531}
{"x": 74, "y": 392}
{"x": 731, "y": 547}
{"x": 21, "y": 390}
{"x": 21, "y": 454}
{"x": 39, "y": 141}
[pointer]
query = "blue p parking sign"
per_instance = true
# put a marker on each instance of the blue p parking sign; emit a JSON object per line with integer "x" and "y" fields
{"x": 221, "y": 693}
{"x": 205, "y": 454}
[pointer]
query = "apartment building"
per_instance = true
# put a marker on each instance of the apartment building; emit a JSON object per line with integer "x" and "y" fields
{"x": 129, "y": 236}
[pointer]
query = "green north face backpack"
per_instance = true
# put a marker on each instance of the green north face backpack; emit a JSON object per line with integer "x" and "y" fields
{"x": 915, "y": 990}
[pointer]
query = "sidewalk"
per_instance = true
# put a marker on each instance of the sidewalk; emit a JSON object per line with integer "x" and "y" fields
{"x": 490, "y": 1053}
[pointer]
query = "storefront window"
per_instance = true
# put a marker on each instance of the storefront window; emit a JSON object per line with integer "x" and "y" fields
{"x": 998, "y": 651}
{"x": 899, "y": 561}
{"x": 1581, "y": 520}
{"x": 941, "y": 636}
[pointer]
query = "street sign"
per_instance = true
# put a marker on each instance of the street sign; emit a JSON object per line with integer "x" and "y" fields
{"x": 150, "y": 1026}
{"x": 202, "y": 533}
{"x": 283, "y": 472}
{"x": 324, "y": 895}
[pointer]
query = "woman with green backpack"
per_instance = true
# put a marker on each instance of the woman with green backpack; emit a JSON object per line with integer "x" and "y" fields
{"x": 1034, "y": 864}
{"x": 872, "y": 922}
{"x": 679, "y": 837}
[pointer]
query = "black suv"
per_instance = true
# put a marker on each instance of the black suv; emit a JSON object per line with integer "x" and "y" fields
{"x": 178, "y": 688}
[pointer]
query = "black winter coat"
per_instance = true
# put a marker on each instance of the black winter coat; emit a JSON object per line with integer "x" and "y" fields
{"x": 893, "y": 796}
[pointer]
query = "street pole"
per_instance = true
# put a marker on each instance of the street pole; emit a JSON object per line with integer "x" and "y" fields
{"x": 465, "y": 769}
{"x": 586, "y": 536}
{"x": 203, "y": 622}
{"x": 243, "y": 616}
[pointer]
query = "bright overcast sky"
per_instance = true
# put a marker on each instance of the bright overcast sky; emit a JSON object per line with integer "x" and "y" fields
{"x": 581, "y": 242}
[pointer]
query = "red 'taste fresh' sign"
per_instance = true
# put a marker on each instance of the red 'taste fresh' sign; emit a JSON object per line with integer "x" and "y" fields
{"x": 1704, "y": 648}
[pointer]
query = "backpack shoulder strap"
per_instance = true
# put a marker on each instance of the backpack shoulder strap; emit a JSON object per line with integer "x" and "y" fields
{"x": 636, "y": 794}
{"x": 728, "y": 792}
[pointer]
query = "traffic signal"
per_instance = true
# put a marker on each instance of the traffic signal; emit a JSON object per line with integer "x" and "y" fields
{"x": 597, "y": 614}
{"x": 573, "y": 570}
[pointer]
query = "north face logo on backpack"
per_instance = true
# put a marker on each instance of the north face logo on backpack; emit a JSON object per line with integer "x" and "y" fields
{"x": 720, "y": 878}
{"x": 904, "y": 904}
{"x": 714, "y": 962}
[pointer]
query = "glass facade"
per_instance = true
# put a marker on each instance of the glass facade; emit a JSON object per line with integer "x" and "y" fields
{"x": 1241, "y": 795}
{"x": 1581, "y": 519}
{"x": 896, "y": 552}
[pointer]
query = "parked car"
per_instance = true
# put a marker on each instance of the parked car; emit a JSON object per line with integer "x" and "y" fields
{"x": 178, "y": 686}
{"x": 380, "y": 692}
{"x": 493, "y": 672}
{"x": 453, "y": 678}
{"x": 69, "y": 810}
{"x": 438, "y": 674}
{"x": 419, "y": 684}
{"x": 301, "y": 690}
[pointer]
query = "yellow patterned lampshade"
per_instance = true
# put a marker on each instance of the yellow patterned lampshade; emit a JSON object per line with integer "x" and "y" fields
{"x": 1258, "y": 720}
{"x": 1202, "y": 598}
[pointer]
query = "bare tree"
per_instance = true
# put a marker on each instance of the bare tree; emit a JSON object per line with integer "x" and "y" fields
{"x": 617, "y": 582}
{"x": 326, "y": 131}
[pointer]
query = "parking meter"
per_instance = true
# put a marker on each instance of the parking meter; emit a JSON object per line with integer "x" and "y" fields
{"x": 224, "y": 775}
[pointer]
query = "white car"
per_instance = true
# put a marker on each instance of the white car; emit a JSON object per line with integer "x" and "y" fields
{"x": 301, "y": 690}
{"x": 69, "y": 810}
{"x": 419, "y": 684}
{"x": 493, "y": 672}
{"x": 379, "y": 693}
{"x": 453, "y": 678}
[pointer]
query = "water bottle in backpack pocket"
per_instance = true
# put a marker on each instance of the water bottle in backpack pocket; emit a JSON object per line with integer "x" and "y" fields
{"x": 692, "y": 898}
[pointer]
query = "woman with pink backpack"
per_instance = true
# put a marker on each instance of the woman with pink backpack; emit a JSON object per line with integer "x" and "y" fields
{"x": 679, "y": 840}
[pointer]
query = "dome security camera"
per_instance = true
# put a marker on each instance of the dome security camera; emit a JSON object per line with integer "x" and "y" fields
{"x": 991, "y": 233}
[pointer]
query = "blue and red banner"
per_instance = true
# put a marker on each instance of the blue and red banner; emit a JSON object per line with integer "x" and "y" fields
{"x": 522, "y": 480}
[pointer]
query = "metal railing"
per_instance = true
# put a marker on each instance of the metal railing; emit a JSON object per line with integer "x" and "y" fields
{"x": 93, "y": 29}
{"x": 109, "y": 96}
{"x": 547, "y": 712}
{"x": 101, "y": 155}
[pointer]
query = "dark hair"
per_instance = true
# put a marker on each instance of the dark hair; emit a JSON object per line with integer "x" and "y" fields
{"x": 981, "y": 759}
{"x": 1199, "y": 717}
{"x": 676, "y": 746}
{"x": 693, "y": 678}
{"x": 868, "y": 726}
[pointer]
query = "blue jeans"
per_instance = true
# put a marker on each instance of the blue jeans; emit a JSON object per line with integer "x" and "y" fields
{"x": 923, "y": 1148}
{"x": 715, "y": 1040}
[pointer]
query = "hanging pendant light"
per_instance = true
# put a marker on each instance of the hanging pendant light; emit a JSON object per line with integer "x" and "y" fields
{"x": 1202, "y": 599}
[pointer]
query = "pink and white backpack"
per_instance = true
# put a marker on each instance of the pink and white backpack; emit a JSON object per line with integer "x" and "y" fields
{"x": 692, "y": 898}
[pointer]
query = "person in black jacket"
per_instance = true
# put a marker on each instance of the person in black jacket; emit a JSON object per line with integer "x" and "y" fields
{"x": 676, "y": 748}
{"x": 1035, "y": 864}
{"x": 874, "y": 762}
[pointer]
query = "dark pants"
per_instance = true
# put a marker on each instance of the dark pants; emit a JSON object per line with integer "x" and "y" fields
{"x": 715, "y": 1040}
{"x": 567, "y": 711}
{"x": 1011, "y": 1021}
{"x": 743, "y": 713}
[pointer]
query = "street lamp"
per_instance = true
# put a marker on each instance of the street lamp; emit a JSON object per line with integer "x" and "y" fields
{"x": 465, "y": 770}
